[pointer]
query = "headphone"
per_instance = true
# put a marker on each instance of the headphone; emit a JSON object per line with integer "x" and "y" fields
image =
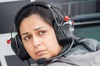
{"x": 64, "y": 29}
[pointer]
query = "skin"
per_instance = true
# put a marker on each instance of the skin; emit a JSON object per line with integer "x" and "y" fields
{"x": 39, "y": 38}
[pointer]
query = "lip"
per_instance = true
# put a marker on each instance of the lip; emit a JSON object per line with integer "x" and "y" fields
{"x": 40, "y": 52}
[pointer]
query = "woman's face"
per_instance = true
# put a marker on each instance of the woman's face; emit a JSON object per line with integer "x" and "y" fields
{"x": 39, "y": 38}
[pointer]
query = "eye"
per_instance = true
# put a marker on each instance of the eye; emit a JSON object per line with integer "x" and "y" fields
{"x": 28, "y": 37}
{"x": 42, "y": 32}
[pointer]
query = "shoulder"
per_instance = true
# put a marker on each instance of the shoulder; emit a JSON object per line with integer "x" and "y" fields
{"x": 89, "y": 40}
{"x": 92, "y": 43}
{"x": 59, "y": 63}
{"x": 34, "y": 64}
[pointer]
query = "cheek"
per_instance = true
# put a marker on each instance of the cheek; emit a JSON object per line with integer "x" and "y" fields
{"x": 31, "y": 51}
{"x": 29, "y": 48}
{"x": 51, "y": 40}
{"x": 52, "y": 44}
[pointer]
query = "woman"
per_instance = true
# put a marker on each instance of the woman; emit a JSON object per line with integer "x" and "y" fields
{"x": 46, "y": 42}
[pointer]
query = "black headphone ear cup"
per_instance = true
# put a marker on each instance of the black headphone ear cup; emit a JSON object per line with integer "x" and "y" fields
{"x": 18, "y": 48}
{"x": 57, "y": 29}
{"x": 63, "y": 32}
{"x": 68, "y": 30}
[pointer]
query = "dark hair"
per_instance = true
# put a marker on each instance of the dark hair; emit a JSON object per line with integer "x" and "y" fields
{"x": 43, "y": 12}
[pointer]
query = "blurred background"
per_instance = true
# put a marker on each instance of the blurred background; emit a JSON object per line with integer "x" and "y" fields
{"x": 84, "y": 13}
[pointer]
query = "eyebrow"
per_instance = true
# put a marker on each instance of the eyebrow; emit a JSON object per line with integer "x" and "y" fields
{"x": 34, "y": 30}
{"x": 38, "y": 28}
{"x": 25, "y": 33}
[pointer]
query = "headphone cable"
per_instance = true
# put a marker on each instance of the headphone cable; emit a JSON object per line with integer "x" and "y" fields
{"x": 66, "y": 51}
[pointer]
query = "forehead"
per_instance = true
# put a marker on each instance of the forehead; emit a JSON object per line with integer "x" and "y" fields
{"x": 32, "y": 22}
{"x": 34, "y": 19}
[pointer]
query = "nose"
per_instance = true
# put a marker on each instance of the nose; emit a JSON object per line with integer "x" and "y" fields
{"x": 36, "y": 41}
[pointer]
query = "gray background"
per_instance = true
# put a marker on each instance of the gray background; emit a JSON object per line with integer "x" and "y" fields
{"x": 7, "y": 14}
{"x": 71, "y": 8}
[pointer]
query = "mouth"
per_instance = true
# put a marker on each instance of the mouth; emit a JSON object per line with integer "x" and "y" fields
{"x": 40, "y": 53}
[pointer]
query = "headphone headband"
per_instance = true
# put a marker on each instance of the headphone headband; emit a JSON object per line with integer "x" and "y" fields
{"x": 42, "y": 4}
